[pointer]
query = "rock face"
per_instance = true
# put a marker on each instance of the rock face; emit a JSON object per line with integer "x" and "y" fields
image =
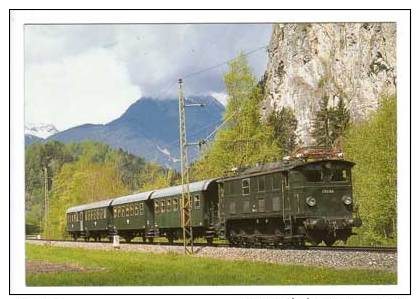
{"x": 353, "y": 61}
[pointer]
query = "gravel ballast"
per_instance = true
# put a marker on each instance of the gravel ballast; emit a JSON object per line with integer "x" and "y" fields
{"x": 321, "y": 258}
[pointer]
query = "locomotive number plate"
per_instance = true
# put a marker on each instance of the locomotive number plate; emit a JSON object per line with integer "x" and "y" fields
{"x": 327, "y": 191}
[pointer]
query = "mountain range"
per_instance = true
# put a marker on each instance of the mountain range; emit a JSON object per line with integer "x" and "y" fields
{"x": 150, "y": 128}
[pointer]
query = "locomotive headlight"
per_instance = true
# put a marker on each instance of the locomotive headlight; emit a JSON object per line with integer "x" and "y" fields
{"x": 310, "y": 201}
{"x": 347, "y": 200}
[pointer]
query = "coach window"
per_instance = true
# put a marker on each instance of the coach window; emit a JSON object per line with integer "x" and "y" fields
{"x": 197, "y": 201}
{"x": 245, "y": 186}
{"x": 131, "y": 210}
{"x": 261, "y": 184}
{"x": 136, "y": 209}
{"x": 156, "y": 207}
{"x": 169, "y": 205}
{"x": 141, "y": 208}
{"x": 162, "y": 206}
{"x": 175, "y": 204}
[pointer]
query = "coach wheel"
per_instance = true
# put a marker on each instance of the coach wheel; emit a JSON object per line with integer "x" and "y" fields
{"x": 209, "y": 241}
{"x": 144, "y": 239}
{"x": 170, "y": 239}
{"x": 150, "y": 239}
{"x": 74, "y": 237}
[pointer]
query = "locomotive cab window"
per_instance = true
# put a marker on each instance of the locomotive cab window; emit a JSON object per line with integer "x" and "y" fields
{"x": 245, "y": 186}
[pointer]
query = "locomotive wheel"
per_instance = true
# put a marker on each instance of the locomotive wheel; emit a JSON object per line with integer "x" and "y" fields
{"x": 329, "y": 241}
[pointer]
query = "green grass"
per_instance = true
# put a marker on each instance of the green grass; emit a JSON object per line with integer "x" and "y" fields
{"x": 124, "y": 268}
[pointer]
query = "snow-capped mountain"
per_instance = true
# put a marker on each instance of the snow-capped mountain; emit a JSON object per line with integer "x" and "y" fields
{"x": 40, "y": 130}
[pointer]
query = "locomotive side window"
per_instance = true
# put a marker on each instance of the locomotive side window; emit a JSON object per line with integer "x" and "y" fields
{"x": 245, "y": 186}
{"x": 261, "y": 184}
{"x": 276, "y": 181}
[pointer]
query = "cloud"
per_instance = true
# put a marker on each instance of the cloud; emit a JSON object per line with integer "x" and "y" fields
{"x": 89, "y": 68}
{"x": 92, "y": 87}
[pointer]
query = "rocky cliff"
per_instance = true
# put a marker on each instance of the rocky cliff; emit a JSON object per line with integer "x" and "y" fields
{"x": 353, "y": 61}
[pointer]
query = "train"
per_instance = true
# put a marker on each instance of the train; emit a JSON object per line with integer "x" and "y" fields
{"x": 306, "y": 198}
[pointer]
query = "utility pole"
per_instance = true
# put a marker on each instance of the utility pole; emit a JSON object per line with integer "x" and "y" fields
{"x": 185, "y": 197}
{"x": 46, "y": 234}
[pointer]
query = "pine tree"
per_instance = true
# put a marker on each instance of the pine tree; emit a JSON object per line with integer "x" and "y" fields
{"x": 284, "y": 124}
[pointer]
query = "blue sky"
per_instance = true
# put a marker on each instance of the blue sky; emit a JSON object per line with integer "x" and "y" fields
{"x": 76, "y": 74}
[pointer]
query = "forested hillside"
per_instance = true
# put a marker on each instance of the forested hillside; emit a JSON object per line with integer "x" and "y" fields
{"x": 78, "y": 174}
{"x": 372, "y": 145}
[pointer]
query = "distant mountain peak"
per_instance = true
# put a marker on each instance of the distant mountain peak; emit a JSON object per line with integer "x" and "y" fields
{"x": 150, "y": 128}
{"x": 41, "y": 130}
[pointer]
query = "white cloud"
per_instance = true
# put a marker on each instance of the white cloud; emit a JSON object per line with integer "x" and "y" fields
{"x": 91, "y": 87}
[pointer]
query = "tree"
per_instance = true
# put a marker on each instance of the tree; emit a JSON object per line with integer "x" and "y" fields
{"x": 330, "y": 123}
{"x": 245, "y": 139}
{"x": 372, "y": 145}
{"x": 284, "y": 124}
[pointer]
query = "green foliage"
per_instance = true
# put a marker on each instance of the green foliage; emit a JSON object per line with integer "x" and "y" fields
{"x": 125, "y": 268}
{"x": 284, "y": 124}
{"x": 80, "y": 173}
{"x": 330, "y": 122}
{"x": 372, "y": 145}
{"x": 245, "y": 139}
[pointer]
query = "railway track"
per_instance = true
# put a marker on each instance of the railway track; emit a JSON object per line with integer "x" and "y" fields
{"x": 314, "y": 248}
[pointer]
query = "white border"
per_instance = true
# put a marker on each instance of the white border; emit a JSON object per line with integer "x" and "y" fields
{"x": 19, "y": 18}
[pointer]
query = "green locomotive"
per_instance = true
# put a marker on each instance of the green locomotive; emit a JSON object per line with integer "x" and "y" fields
{"x": 305, "y": 199}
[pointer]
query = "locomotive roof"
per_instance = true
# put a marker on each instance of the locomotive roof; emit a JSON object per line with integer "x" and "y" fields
{"x": 278, "y": 166}
{"x": 132, "y": 198}
{"x": 176, "y": 190}
{"x": 93, "y": 205}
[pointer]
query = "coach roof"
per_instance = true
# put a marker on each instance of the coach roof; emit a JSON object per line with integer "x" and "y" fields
{"x": 177, "y": 190}
{"x": 132, "y": 198}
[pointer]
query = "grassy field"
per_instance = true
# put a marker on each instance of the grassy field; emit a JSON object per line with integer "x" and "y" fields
{"x": 119, "y": 268}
